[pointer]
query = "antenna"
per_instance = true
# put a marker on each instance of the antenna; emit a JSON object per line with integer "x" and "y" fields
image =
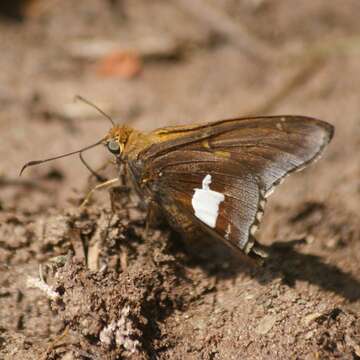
{"x": 38, "y": 162}
{"x": 78, "y": 97}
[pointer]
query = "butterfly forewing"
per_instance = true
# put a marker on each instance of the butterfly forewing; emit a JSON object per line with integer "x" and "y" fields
{"x": 220, "y": 173}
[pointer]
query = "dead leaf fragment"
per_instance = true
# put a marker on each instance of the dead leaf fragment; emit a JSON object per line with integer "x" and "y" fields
{"x": 121, "y": 64}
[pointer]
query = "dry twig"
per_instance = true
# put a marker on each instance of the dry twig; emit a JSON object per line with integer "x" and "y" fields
{"x": 233, "y": 31}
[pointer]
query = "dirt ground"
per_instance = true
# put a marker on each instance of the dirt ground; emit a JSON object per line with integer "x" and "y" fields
{"x": 86, "y": 283}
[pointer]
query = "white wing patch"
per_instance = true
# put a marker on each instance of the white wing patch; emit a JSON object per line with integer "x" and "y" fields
{"x": 205, "y": 203}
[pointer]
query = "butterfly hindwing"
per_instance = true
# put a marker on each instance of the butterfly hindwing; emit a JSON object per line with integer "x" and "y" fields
{"x": 224, "y": 205}
{"x": 220, "y": 173}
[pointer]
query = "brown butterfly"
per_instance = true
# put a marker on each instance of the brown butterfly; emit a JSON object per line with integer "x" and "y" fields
{"x": 216, "y": 176}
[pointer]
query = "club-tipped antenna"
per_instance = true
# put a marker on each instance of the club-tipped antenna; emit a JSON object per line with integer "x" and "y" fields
{"x": 38, "y": 162}
{"x": 78, "y": 97}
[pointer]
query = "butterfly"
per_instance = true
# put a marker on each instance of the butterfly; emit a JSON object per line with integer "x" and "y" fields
{"x": 216, "y": 176}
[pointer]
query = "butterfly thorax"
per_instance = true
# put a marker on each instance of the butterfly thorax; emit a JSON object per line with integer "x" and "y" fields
{"x": 130, "y": 141}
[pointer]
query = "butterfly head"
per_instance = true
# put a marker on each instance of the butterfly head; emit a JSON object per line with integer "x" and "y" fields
{"x": 117, "y": 138}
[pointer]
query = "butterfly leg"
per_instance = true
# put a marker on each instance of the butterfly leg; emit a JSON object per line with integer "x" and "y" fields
{"x": 93, "y": 172}
{"x": 153, "y": 216}
{"x": 149, "y": 215}
{"x": 147, "y": 222}
{"x": 123, "y": 175}
{"x": 97, "y": 187}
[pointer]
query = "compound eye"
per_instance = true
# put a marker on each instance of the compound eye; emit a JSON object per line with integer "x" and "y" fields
{"x": 113, "y": 147}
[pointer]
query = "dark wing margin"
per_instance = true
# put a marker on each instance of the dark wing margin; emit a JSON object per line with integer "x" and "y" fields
{"x": 245, "y": 159}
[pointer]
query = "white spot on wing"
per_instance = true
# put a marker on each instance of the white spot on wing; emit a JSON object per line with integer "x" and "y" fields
{"x": 269, "y": 192}
{"x": 279, "y": 126}
{"x": 253, "y": 230}
{"x": 259, "y": 215}
{"x": 205, "y": 203}
{"x": 228, "y": 232}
